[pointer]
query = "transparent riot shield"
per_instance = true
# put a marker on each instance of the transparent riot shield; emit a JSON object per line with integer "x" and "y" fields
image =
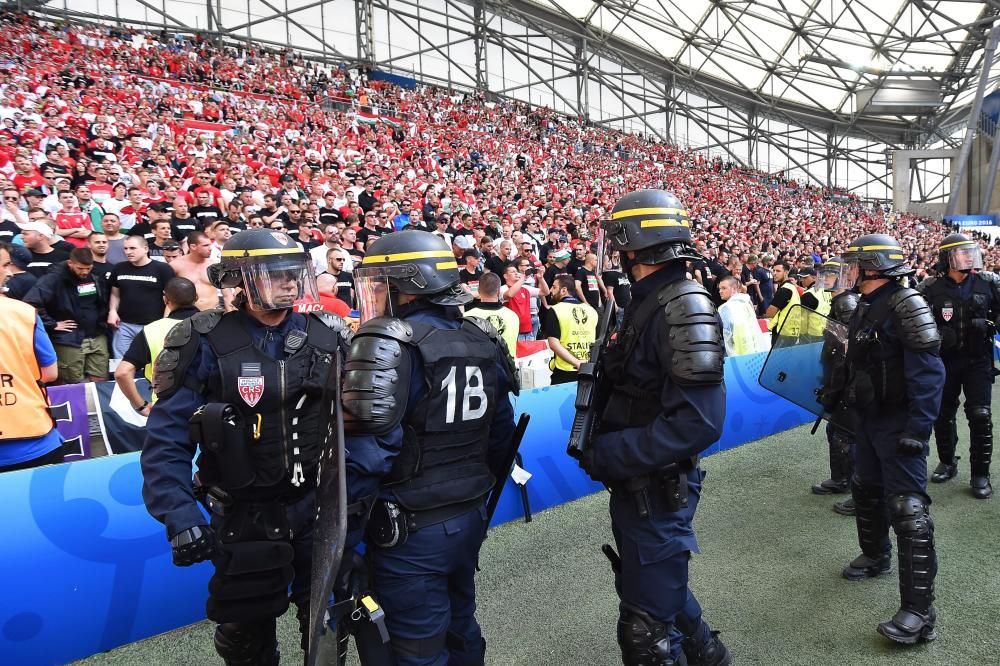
{"x": 807, "y": 361}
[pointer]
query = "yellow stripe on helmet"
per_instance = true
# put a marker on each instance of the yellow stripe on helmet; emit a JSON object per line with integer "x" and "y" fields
{"x": 648, "y": 211}
{"x": 872, "y": 248}
{"x": 262, "y": 252}
{"x": 965, "y": 242}
{"x": 406, "y": 256}
{"x": 645, "y": 224}
{"x": 446, "y": 264}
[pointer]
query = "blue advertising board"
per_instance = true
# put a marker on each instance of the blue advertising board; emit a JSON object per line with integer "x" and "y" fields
{"x": 85, "y": 568}
{"x": 969, "y": 221}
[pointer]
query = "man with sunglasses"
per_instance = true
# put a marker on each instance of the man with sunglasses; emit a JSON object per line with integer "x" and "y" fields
{"x": 258, "y": 381}
{"x": 966, "y": 307}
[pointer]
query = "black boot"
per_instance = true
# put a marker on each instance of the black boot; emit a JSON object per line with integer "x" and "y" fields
{"x": 946, "y": 438}
{"x": 644, "y": 640}
{"x": 981, "y": 450}
{"x": 701, "y": 646}
{"x": 872, "y": 517}
{"x": 845, "y": 508}
{"x": 840, "y": 463}
{"x": 915, "y": 619}
{"x": 831, "y": 487}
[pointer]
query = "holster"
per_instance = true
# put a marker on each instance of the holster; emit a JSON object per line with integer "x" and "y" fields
{"x": 666, "y": 488}
{"x": 219, "y": 429}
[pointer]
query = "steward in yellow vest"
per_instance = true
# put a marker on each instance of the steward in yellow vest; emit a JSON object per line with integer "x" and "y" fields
{"x": 179, "y": 297}
{"x": 492, "y": 310}
{"x": 786, "y": 296}
{"x": 571, "y": 328}
{"x": 28, "y": 437}
{"x": 817, "y": 299}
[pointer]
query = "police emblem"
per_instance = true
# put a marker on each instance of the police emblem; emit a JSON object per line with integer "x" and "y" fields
{"x": 947, "y": 313}
{"x": 251, "y": 389}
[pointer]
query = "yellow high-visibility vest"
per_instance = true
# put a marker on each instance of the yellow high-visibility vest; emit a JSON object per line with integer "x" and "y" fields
{"x": 824, "y": 299}
{"x": 155, "y": 333}
{"x": 504, "y": 320}
{"x": 778, "y": 319}
{"x": 577, "y": 331}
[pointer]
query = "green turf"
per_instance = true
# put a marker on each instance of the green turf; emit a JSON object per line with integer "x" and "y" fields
{"x": 768, "y": 577}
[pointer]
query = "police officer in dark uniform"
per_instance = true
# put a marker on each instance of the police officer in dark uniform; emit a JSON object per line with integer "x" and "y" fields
{"x": 842, "y": 306}
{"x": 665, "y": 404}
{"x": 433, "y": 388}
{"x": 251, "y": 387}
{"x": 966, "y": 305}
{"x": 893, "y": 390}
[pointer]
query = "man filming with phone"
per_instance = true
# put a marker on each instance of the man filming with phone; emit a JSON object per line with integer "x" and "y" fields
{"x": 521, "y": 295}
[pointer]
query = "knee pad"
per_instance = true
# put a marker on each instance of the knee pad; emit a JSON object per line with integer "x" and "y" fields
{"x": 247, "y": 644}
{"x": 644, "y": 641}
{"x": 909, "y": 515}
{"x": 866, "y": 496}
{"x": 980, "y": 416}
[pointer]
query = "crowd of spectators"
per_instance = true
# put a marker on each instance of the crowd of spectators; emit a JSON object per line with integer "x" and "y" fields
{"x": 127, "y": 158}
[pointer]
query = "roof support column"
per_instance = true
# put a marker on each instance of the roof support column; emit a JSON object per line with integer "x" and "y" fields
{"x": 962, "y": 163}
{"x": 582, "y": 79}
{"x": 479, "y": 42}
{"x": 364, "y": 13}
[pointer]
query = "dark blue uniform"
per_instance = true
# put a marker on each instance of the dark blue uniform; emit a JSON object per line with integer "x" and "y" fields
{"x": 280, "y": 500}
{"x": 655, "y": 547}
{"x": 426, "y": 584}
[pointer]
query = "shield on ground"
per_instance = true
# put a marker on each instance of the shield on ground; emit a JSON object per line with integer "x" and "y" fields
{"x": 330, "y": 528}
{"x": 807, "y": 361}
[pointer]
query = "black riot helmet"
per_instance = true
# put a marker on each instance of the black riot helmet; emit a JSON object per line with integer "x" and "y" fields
{"x": 407, "y": 262}
{"x": 874, "y": 252}
{"x": 273, "y": 270}
{"x": 651, "y": 223}
{"x": 958, "y": 252}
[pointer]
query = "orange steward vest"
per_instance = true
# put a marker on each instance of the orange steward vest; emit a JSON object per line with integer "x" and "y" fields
{"x": 24, "y": 405}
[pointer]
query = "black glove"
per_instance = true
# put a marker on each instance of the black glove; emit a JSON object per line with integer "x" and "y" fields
{"x": 588, "y": 465}
{"x": 193, "y": 545}
{"x": 909, "y": 446}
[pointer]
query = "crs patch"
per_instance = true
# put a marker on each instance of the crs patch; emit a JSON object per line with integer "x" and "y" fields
{"x": 947, "y": 313}
{"x": 251, "y": 389}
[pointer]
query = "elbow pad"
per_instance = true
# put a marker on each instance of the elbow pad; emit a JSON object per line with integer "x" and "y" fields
{"x": 914, "y": 321}
{"x": 692, "y": 339}
{"x": 377, "y": 377}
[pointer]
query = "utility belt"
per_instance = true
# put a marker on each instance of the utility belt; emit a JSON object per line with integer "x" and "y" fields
{"x": 666, "y": 488}
{"x": 224, "y": 503}
{"x": 390, "y": 524}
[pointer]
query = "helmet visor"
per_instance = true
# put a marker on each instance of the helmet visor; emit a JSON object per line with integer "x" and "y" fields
{"x": 279, "y": 284}
{"x": 965, "y": 257}
{"x": 830, "y": 276}
{"x": 850, "y": 272}
{"x": 371, "y": 292}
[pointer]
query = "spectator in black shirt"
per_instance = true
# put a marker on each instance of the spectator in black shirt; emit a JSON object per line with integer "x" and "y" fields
{"x": 578, "y": 258}
{"x": 179, "y": 297}
{"x": 470, "y": 273}
{"x": 367, "y": 199}
{"x": 234, "y": 216}
{"x": 182, "y": 222}
{"x": 97, "y": 242}
{"x": 162, "y": 239}
{"x": 20, "y": 280}
{"x": 589, "y": 285}
{"x": 558, "y": 266}
{"x": 204, "y": 211}
{"x": 369, "y": 232}
{"x": 329, "y": 213}
{"x": 37, "y": 237}
{"x": 136, "y": 293}
{"x": 335, "y": 280}
{"x": 616, "y": 283}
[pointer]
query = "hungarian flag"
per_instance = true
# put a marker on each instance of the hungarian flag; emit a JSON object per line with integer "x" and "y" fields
{"x": 394, "y": 123}
{"x": 204, "y": 127}
{"x": 366, "y": 118}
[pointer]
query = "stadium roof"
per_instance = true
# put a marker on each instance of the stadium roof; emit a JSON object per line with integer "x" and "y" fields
{"x": 804, "y": 57}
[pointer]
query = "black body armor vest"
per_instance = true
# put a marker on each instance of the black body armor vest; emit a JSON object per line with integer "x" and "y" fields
{"x": 280, "y": 401}
{"x": 964, "y": 324}
{"x": 875, "y": 359}
{"x": 444, "y": 456}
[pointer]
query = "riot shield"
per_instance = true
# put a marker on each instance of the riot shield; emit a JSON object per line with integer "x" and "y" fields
{"x": 330, "y": 528}
{"x": 807, "y": 361}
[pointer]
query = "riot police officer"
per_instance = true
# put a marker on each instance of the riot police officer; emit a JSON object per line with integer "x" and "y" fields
{"x": 842, "y": 301}
{"x": 251, "y": 388}
{"x": 433, "y": 387}
{"x": 893, "y": 390}
{"x": 966, "y": 306}
{"x": 664, "y": 403}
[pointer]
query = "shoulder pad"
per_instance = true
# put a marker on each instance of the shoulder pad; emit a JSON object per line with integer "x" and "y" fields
{"x": 843, "y": 306}
{"x": 376, "y": 377}
{"x": 387, "y": 327}
{"x": 915, "y": 321}
{"x": 335, "y": 324}
{"x": 205, "y": 321}
{"x": 484, "y": 325}
{"x": 179, "y": 348}
{"x": 693, "y": 334}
